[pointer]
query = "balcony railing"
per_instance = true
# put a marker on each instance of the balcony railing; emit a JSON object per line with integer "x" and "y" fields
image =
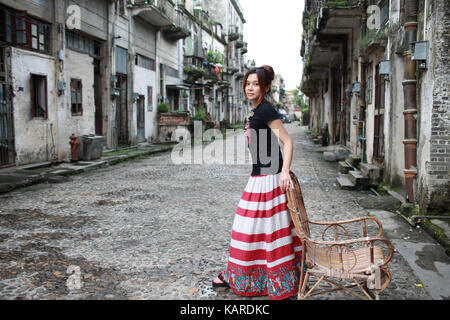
{"x": 233, "y": 66}
{"x": 244, "y": 50}
{"x": 240, "y": 42}
{"x": 180, "y": 28}
{"x": 233, "y": 33}
{"x": 158, "y": 12}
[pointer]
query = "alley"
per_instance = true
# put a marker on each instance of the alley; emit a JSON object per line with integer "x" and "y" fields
{"x": 150, "y": 229}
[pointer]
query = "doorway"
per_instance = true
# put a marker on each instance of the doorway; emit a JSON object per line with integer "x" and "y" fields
{"x": 140, "y": 118}
{"x": 378, "y": 136}
{"x": 122, "y": 111}
{"x": 98, "y": 98}
{"x": 7, "y": 149}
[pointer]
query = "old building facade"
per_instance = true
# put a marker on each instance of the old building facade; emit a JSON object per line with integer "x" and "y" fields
{"x": 377, "y": 76}
{"x": 102, "y": 68}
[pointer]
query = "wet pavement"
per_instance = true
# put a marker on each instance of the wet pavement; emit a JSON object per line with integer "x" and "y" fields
{"x": 150, "y": 229}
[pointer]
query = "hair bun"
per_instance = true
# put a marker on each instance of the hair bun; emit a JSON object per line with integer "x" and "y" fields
{"x": 270, "y": 70}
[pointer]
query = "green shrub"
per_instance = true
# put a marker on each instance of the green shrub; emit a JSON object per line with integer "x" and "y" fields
{"x": 163, "y": 108}
{"x": 200, "y": 116}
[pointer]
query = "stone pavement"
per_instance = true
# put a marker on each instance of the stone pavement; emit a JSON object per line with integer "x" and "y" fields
{"x": 149, "y": 229}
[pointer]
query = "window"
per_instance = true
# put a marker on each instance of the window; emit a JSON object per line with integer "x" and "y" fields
{"x": 18, "y": 29}
{"x": 171, "y": 72}
{"x": 145, "y": 62}
{"x": 369, "y": 82}
{"x": 149, "y": 99}
{"x": 38, "y": 95}
{"x": 384, "y": 15}
{"x": 121, "y": 60}
{"x": 81, "y": 43}
{"x": 122, "y": 7}
{"x": 76, "y": 94}
{"x": 402, "y": 12}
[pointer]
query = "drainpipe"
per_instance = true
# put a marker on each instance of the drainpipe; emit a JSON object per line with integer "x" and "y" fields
{"x": 410, "y": 105}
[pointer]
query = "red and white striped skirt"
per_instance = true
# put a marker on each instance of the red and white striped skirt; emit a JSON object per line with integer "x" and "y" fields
{"x": 265, "y": 253}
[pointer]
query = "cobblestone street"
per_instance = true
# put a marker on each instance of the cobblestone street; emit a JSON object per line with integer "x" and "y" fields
{"x": 149, "y": 229}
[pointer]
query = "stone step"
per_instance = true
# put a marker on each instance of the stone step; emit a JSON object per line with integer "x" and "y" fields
{"x": 354, "y": 160}
{"x": 344, "y": 167}
{"x": 345, "y": 183}
{"x": 359, "y": 180}
{"x": 371, "y": 171}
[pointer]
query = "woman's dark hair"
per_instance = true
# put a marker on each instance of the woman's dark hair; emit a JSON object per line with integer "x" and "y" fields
{"x": 265, "y": 76}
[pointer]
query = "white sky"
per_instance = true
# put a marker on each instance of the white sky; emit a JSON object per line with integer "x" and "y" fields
{"x": 273, "y": 31}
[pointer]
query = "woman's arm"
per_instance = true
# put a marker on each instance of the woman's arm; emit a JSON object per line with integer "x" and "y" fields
{"x": 288, "y": 148}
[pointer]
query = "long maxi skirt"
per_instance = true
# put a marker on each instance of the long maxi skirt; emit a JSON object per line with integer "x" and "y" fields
{"x": 265, "y": 253}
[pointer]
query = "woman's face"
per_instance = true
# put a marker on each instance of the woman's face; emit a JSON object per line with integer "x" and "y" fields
{"x": 252, "y": 88}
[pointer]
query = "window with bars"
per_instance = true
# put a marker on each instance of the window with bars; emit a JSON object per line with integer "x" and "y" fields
{"x": 171, "y": 72}
{"x": 21, "y": 30}
{"x": 384, "y": 14}
{"x": 369, "y": 82}
{"x": 149, "y": 98}
{"x": 145, "y": 62}
{"x": 38, "y": 96}
{"x": 76, "y": 97}
{"x": 81, "y": 43}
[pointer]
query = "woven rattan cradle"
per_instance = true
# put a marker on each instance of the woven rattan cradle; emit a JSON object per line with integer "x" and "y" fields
{"x": 357, "y": 260}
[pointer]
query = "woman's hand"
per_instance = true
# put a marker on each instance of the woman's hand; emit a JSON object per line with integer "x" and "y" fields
{"x": 285, "y": 181}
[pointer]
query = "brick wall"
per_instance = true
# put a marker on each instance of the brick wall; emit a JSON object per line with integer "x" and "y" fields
{"x": 438, "y": 179}
{"x": 174, "y": 118}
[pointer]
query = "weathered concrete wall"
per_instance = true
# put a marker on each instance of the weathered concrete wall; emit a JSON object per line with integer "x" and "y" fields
{"x": 32, "y": 135}
{"x": 93, "y": 16}
{"x": 168, "y": 53}
{"x": 144, "y": 38}
{"x": 78, "y": 66}
{"x": 42, "y": 8}
{"x": 394, "y": 133}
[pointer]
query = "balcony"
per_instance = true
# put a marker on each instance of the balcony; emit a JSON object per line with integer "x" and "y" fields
{"x": 239, "y": 75}
{"x": 233, "y": 33}
{"x": 180, "y": 29}
{"x": 233, "y": 67}
{"x": 240, "y": 42}
{"x": 244, "y": 50}
{"x": 210, "y": 74}
{"x": 193, "y": 69}
{"x": 223, "y": 84}
{"x": 157, "y": 12}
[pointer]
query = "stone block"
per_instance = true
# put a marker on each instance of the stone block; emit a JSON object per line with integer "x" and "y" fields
{"x": 345, "y": 183}
{"x": 341, "y": 153}
{"x": 359, "y": 180}
{"x": 354, "y": 160}
{"x": 329, "y": 156}
{"x": 343, "y": 167}
{"x": 371, "y": 171}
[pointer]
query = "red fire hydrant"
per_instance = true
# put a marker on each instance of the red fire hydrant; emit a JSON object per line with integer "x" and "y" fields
{"x": 74, "y": 143}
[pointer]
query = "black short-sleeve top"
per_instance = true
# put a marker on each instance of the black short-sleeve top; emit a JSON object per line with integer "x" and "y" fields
{"x": 262, "y": 142}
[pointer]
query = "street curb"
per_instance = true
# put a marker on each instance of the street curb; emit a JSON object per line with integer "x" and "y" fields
{"x": 66, "y": 172}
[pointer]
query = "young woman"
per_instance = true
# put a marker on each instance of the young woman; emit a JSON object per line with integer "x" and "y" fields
{"x": 265, "y": 253}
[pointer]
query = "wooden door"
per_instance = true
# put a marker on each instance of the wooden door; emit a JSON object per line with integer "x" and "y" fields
{"x": 7, "y": 149}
